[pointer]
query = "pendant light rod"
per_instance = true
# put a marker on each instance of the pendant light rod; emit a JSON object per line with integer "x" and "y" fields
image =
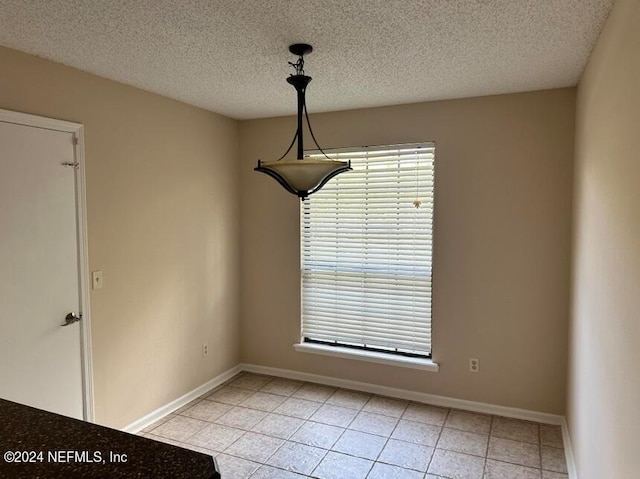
{"x": 300, "y": 83}
{"x": 299, "y": 130}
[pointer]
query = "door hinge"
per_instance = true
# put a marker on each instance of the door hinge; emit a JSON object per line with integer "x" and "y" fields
{"x": 74, "y": 165}
{"x": 75, "y": 140}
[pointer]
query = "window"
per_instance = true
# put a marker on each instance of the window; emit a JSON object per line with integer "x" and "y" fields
{"x": 366, "y": 250}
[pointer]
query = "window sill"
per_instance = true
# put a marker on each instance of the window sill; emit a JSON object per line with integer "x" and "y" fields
{"x": 369, "y": 356}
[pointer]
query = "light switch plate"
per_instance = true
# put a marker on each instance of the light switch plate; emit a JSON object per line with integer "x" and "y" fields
{"x": 96, "y": 280}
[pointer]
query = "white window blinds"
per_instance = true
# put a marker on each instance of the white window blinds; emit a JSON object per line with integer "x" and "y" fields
{"x": 366, "y": 252}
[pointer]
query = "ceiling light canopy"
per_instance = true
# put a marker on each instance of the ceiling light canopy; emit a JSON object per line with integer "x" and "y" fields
{"x": 302, "y": 176}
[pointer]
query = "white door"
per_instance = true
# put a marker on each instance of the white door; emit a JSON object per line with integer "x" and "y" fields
{"x": 41, "y": 361}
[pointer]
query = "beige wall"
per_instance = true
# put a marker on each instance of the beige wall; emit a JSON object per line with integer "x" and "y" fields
{"x": 502, "y": 245}
{"x": 164, "y": 228}
{"x": 162, "y": 215}
{"x": 604, "y": 384}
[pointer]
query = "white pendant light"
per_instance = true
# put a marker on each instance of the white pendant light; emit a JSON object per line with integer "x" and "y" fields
{"x": 302, "y": 176}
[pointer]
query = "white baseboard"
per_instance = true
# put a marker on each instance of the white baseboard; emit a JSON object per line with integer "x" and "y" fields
{"x": 443, "y": 401}
{"x": 568, "y": 450}
{"x": 159, "y": 413}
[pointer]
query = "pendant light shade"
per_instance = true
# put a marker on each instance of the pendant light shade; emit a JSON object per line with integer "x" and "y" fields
{"x": 302, "y": 176}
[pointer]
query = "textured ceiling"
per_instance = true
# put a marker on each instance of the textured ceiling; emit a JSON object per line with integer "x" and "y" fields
{"x": 230, "y": 56}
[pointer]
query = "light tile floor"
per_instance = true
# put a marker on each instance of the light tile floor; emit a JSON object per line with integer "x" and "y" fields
{"x": 263, "y": 427}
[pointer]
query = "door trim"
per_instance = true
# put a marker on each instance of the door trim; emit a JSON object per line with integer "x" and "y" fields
{"x": 77, "y": 130}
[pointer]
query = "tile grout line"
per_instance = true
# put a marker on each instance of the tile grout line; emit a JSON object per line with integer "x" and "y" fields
{"x": 540, "y": 449}
{"x": 346, "y": 428}
{"x": 307, "y": 420}
{"x": 486, "y": 455}
{"x": 435, "y": 446}
{"x": 384, "y": 445}
{"x": 244, "y": 432}
{"x": 356, "y": 410}
{"x": 388, "y": 437}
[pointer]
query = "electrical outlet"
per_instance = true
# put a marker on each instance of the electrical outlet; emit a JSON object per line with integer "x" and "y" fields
{"x": 205, "y": 350}
{"x": 474, "y": 365}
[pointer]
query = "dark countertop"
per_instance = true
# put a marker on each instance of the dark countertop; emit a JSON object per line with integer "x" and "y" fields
{"x": 56, "y": 446}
